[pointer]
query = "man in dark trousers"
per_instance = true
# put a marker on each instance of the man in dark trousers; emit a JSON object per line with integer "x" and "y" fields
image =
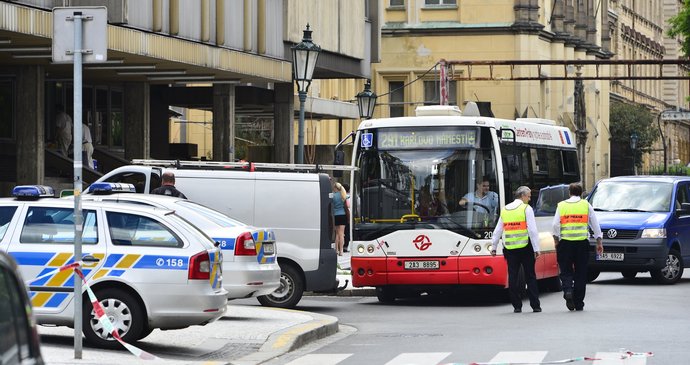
{"x": 520, "y": 247}
{"x": 168, "y": 186}
{"x": 570, "y": 233}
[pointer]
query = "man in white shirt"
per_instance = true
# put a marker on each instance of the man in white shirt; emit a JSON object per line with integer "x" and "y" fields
{"x": 521, "y": 247}
{"x": 64, "y": 125}
{"x": 87, "y": 145}
{"x": 573, "y": 216}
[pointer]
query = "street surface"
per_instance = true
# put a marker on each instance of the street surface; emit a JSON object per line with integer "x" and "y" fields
{"x": 638, "y": 315}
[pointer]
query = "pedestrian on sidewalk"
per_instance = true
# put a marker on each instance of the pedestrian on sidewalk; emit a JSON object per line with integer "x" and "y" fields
{"x": 87, "y": 145}
{"x": 570, "y": 234}
{"x": 520, "y": 247}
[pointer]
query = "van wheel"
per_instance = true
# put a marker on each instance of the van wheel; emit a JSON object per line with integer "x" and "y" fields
{"x": 385, "y": 294}
{"x": 672, "y": 271}
{"x": 288, "y": 293}
{"x": 629, "y": 274}
{"x": 123, "y": 311}
{"x": 592, "y": 275}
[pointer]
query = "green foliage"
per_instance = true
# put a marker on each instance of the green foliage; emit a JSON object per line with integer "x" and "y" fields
{"x": 673, "y": 170}
{"x": 680, "y": 26}
{"x": 624, "y": 119}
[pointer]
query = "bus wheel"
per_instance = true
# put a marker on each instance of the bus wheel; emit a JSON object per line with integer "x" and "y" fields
{"x": 289, "y": 292}
{"x": 552, "y": 284}
{"x": 671, "y": 272}
{"x": 385, "y": 294}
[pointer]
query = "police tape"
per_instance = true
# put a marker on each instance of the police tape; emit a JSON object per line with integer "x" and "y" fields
{"x": 98, "y": 310}
{"x": 624, "y": 354}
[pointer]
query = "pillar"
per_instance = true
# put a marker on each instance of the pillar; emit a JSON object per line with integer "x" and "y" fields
{"x": 137, "y": 121}
{"x": 30, "y": 132}
{"x": 284, "y": 123}
{"x": 223, "y": 122}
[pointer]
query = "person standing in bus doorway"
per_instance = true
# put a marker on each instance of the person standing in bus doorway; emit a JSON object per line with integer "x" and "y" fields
{"x": 520, "y": 247}
{"x": 482, "y": 196}
{"x": 348, "y": 210}
{"x": 339, "y": 216}
{"x": 570, "y": 233}
{"x": 168, "y": 186}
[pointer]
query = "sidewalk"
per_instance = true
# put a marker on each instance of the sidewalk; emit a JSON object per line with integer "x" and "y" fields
{"x": 246, "y": 335}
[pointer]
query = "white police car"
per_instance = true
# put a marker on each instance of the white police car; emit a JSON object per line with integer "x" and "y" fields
{"x": 154, "y": 269}
{"x": 250, "y": 267}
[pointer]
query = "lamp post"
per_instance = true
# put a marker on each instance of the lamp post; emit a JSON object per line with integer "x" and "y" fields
{"x": 366, "y": 101}
{"x": 304, "y": 56}
{"x": 633, "y": 147}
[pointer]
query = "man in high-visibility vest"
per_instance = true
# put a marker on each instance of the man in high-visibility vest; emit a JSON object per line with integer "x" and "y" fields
{"x": 570, "y": 233}
{"x": 520, "y": 247}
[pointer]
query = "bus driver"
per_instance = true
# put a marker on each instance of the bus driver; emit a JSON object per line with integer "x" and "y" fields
{"x": 482, "y": 196}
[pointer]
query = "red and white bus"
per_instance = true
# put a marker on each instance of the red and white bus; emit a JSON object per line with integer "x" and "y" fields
{"x": 409, "y": 234}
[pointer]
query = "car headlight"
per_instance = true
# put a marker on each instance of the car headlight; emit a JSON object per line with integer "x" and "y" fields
{"x": 654, "y": 233}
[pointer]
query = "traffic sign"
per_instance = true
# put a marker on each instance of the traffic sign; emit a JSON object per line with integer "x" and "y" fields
{"x": 675, "y": 115}
{"x": 95, "y": 35}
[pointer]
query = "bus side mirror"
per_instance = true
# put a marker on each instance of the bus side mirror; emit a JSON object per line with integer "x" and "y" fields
{"x": 339, "y": 160}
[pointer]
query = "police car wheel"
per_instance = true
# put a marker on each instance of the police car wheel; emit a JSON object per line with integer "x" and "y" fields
{"x": 123, "y": 311}
{"x": 671, "y": 272}
{"x": 290, "y": 291}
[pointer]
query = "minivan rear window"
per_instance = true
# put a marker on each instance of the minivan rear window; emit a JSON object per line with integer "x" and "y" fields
{"x": 632, "y": 196}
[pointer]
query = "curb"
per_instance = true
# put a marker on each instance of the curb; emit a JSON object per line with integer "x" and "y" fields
{"x": 357, "y": 292}
{"x": 291, "y": 338}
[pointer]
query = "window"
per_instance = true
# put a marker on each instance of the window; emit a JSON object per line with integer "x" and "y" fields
{"x": 439, "y": 2}
{"x": 397, "y": 3}
{"x": 137, "y": 179}
{"x": 135, "y": 230}
{"x": 397, "y": 98}
{"x": 14, "y": 322}
{"x": 6, "y": 109}
{"x": 432, "y": 93}
{"x": 6, "y": 214}
{"x": 56, "y": 225}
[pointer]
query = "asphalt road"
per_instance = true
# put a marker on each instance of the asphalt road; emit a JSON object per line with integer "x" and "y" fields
{"x": 475, "y": 326}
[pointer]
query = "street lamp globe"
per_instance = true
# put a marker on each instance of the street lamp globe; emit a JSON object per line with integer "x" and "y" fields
{"x": 304, "y": 56}
{"x": 633, "y": 141}
{"x": 366, "y": 100}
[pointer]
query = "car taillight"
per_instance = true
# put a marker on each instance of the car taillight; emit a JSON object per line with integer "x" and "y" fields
{"x": 244, "y": 245}
{"x": 200, "y": 267}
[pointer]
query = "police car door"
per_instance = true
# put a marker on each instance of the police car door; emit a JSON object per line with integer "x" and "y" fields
{"x": 43, "y": 242}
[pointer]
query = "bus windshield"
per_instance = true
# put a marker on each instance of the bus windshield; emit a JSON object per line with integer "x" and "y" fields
{"x": 415, "y": 178}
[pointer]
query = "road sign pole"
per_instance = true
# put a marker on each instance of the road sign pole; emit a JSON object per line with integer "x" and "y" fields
{"x": 77, "y": 138}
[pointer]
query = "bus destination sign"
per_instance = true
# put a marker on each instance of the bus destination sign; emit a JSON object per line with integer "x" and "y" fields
{"x": 427, "y": 138}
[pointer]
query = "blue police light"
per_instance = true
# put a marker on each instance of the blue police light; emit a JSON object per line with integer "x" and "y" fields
{"x": 105, "y": 188}
{"x": 31, "y": 192}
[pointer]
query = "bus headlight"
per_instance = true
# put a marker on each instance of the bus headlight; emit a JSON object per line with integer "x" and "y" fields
{"x": 370, "y": 249}
{"x": 654, "y": 233}
{"x": 360, "y": 249}
{"x": 477, "y": 248}
{"x": 488, "y": 247}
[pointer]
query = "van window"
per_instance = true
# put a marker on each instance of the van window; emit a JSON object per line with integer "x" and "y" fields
{"x": 56, "y": 225}
{"x": 681, "y": 196}
{"x": 632, "y": 196}
{"x": 137, "y": 179}
{"x": 14, "y": 323}
{"x": 6, "y": 214}
{"x": 135, "y": 230}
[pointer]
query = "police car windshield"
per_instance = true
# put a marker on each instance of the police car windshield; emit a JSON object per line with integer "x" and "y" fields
{"x": 632, "y": 196}
{"x": 211, "y": 214}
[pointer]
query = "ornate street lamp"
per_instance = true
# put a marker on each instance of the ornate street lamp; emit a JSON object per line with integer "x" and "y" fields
{"x": 304, "y": 56}
{"x": 633, "y": 147}
{"x": 366, "y": 100}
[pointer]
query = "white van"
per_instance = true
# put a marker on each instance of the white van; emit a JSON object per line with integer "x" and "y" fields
{"x": 296, "y": 206}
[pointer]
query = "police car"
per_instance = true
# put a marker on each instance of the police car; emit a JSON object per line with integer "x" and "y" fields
{"x": 148, "y": 267}
{"x": 249, "y": 254}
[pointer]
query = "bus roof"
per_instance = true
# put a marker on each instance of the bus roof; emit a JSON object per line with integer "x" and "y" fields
{"x": 528, "y": 132}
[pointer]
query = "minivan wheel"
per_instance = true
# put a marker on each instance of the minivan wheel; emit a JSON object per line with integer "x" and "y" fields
{"x": 288, "y": 293}
{"x": 592, "y": 275}
{"x": 629, "y": 274}
{"x": 672, "y": 271}
{"x": 123, "y": 311}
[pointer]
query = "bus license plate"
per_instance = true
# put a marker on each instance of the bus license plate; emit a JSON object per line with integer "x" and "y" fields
{"x": 422, "y": 265}
{"x": 611, "y": 256}
{"x": 268, "y": 248}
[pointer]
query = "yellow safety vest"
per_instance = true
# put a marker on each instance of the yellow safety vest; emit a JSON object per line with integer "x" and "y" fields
{"x": 574, "y": 219}
{"x": 515, "y": 227}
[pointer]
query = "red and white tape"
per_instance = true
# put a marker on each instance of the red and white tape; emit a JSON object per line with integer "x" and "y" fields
{"x": 98, "y": 309}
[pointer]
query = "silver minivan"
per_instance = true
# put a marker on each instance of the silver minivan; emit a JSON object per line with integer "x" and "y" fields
{"x": 149, "y": 267}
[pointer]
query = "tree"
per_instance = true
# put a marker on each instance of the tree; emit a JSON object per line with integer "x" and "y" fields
{"x": 626, "y": 119}
{"x": 680, "y": 27}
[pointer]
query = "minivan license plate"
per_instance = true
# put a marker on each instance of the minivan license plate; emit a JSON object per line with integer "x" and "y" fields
{"x": 421, "y": 265}
{"x": 611, "y": 256}
{"x": 268, "y": 248}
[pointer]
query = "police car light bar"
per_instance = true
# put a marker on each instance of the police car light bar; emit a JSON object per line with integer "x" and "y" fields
{"x": 33, "y": 192}
{"x": 104, "y": 188}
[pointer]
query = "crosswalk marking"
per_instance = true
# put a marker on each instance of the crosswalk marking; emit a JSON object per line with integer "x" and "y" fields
{"x": 418, "y": 358}
{"x": 319, "y": 359}
{"x": 614, "y": 358}
{"x": 527, "y": 357}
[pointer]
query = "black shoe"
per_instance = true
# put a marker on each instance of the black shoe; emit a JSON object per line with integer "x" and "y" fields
{"x": 568, "y": 296}
{"x": 517, "y": 310}
{"x": 346, "y": 250}
{"x": 580, "y": 309}
{"x": 536, "y": 310}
